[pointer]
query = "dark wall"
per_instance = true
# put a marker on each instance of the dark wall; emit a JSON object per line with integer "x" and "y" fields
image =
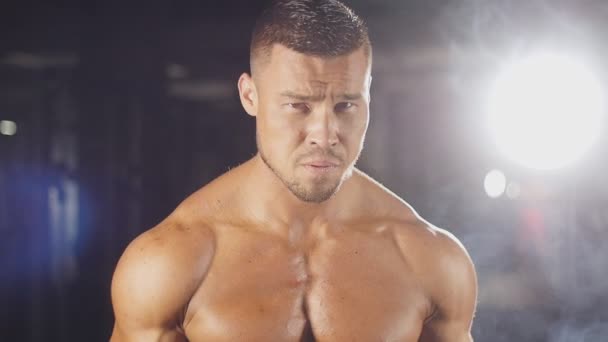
{"x": 125, "y": 109}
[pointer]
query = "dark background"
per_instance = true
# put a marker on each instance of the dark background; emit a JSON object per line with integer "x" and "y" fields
{"x": 125, "y": 108}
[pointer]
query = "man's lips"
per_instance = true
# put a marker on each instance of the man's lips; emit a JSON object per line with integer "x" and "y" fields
{"x": 322, "y": 163}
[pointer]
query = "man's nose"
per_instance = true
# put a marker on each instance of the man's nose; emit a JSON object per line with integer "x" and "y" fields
{"x": 323, "y": 129}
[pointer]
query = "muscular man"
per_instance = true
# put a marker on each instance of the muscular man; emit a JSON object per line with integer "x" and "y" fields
{"x": 296, "y": 244}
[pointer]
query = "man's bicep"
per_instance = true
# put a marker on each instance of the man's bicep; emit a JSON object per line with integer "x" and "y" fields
{"x": 146, "y": 335}
{"x": 455, "y": 298}
{"x": 445, "y": 330}
{"x": 133, "y": 326}
{"x": 147, "y": 304}
{"x": 453, "y": 320}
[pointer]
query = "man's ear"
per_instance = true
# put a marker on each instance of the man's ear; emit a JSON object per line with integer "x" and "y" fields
{"x": 248, "y": 94}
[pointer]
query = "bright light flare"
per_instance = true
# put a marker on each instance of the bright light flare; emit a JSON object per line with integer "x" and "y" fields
{"x": 495, "y": 183}
{"x": 8, "y": 127}
{"x": 513, "y": 190}
{"x": 545, "y": 111}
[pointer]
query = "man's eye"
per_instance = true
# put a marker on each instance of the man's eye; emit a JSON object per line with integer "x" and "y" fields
{"x": 344, "y": 107}
{"x": 300, "y": 107}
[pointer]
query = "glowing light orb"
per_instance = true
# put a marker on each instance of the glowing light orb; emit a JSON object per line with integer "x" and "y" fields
{"x": 495, "y": 183}
{"x": 513, "y": 190}
{"x": 8, "y": 127}
{"x": 545, "y": 111}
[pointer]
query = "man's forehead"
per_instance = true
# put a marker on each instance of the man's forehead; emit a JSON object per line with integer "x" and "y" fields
{"x": 320, "y": 95}
{"x": 300, "y": 87}
{"x": 282, "y": 52}
{"x": 318, "y": 71}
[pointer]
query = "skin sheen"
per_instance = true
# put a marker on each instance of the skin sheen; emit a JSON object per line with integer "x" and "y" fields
{"x": 296, "y": 244}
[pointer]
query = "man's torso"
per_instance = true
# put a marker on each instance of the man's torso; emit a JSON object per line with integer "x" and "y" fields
{"x": 350, "y": 282}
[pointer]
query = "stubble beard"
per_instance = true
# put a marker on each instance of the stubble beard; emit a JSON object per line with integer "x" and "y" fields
{"x": 318, "y": 194}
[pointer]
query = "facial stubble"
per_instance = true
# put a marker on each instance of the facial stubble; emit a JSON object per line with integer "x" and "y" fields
{"x": 320, "y": 192}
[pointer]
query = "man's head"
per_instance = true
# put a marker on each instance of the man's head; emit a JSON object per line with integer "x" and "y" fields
{"x": 322, "y": 28}
{"x": 309, "y": 92}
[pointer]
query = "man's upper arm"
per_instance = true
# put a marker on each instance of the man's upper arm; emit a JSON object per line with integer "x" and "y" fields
{"x": 454, "y": 293}
{"x": 154, "y": 281}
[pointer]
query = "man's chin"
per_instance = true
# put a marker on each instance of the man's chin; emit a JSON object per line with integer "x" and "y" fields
{"x": 316, "y": 195}
{"x": 314, "y": 198}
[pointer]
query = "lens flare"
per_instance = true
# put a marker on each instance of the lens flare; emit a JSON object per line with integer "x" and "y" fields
{"x": 8, "y": 127}
{"x": 545, "y": 111}
{"x": 495, "y": 183}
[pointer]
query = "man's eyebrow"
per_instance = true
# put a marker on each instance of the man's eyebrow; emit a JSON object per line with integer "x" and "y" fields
{"x": 301, "y": 97}
{"x": 350, "y": 97}
{"x": 313, "y": 98}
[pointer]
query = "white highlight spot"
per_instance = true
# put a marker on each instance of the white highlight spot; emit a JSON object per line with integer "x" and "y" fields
{"x": 545, "y": 111}
{"x": 495, "y": 183}
{"x": 513, "y": 190}
{"x": 8, "y": 127}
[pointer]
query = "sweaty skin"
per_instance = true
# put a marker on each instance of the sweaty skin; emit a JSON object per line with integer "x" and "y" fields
{"x": 296, "y": 244}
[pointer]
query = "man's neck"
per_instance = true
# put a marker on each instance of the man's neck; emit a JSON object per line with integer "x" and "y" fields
{"x": 270, "y": 202}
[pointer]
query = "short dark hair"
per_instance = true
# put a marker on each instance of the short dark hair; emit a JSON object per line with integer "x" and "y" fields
{"x": 323, "y": 28}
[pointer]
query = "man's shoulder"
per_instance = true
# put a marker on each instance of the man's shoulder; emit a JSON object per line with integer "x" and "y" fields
{"x": 173, "y": 239}
{"x": 409, "y": 227}
{"x": 440, "y": 261}
{"x": 430, "y": 244}
{"x": 157, "y": 275}
{"x": 170, "y": 259}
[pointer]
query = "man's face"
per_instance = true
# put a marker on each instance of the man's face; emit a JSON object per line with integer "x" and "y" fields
{"x": 312, "y": 115}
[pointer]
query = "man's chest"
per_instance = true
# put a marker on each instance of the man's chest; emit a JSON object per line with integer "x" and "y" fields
{"x": 355, "y": 287}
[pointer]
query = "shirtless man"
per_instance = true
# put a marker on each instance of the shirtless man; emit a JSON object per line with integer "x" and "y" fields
{"x": 296, "y": 244}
